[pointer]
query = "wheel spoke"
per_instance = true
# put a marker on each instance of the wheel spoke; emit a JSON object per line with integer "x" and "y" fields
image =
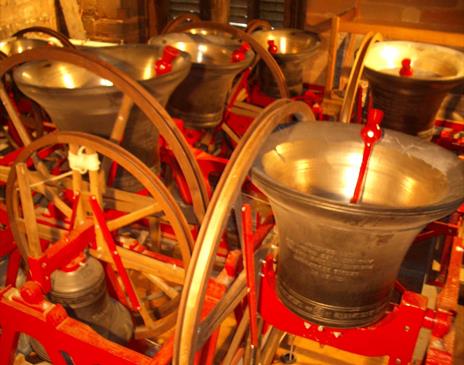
{"x": 130, "y": 218}
{"x": 162, "y": 285}
{"x": 145, "y": 264}
{"x": 33, "y": 248}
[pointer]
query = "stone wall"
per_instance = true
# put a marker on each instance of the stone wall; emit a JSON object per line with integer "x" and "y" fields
{"x": 115, "y": 20}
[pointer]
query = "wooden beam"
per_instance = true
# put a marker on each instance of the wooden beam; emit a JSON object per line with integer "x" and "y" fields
{"x": 135, "y": 261}
{"x": 73, "y": 19}
{"x": 132, "y": 217}
{"x": 14, "y": 116}
{"x": 33, "y": 248}
{"x": 220, "y": 10}
{"x": 403, "y": 33}
{"x": 162, "y": 285}
{"x": 332, "y": 55}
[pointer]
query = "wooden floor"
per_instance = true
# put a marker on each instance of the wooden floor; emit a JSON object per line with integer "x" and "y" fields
{"x": 310, "y": 353}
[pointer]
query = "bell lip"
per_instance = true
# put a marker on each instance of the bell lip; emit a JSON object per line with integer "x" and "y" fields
{"x": 6, "y": 41}
{"x": 438, "y": 209}
{"x": 104, "y": 88}
{"x": 458, "y": 78}
{"x": 305, "y": 53}
{"x": 166, "y": 39}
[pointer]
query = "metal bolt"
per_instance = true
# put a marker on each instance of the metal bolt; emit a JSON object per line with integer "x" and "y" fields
{"x": 320, "y": 328}
{"x": 398, "y": 361}
{"x": 43, "y": 265}
{"x": 406, "y": 328}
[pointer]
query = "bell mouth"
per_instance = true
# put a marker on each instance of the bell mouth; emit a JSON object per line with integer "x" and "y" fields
{"x": 289, "y": 42}
{"x": 137, "y": 60}
{"x": 428, "y": 62}
{"x": 212, "y": 50}
{"x": 15, "y": 45}
{"x": 317, "y": 164}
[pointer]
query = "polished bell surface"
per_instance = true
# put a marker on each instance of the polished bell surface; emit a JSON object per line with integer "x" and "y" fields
{"x": 216, "y": 36}
{"x": 338, "y": 261}
{"x": 15, "y": 45}
{"x": 294, "y": 48}
{"x": 78, "y": 100}
{"x": 410, "y": 103}
{"x": 200, "y": 99}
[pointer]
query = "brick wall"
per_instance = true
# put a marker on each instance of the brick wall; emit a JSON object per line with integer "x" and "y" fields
{"x": 447, "y": 15}
{"x": 114, "y": 20}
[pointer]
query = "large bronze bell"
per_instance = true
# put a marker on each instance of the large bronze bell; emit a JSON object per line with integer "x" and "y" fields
{"x": 409, "y": 82}
{"x": 78, "y": 100}
{"x": 15, "y": 45}
{"x": 200, "y": 99}
{"x": 291, "y": 48}
{"x": 338, "y": 261}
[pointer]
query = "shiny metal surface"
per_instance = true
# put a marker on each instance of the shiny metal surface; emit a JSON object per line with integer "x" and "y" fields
{"x": 17, "y": 45}
{"x": 410, "y": 103}
{"x": 261, "y": 52}
{"x": 136, "y": 60}
{"x": 338, "y": 261}
{"x": 199, "y": 100}
{"x": 216, "y": 36}
{"x": 141, "y": 98}
{"x": 294, "y": 48}
{"x": 78, "y": 100}
{"x": 83, "y": 293}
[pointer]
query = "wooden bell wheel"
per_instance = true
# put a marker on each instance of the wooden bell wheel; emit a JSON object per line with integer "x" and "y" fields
{"x": 194, "y": 327}
{"x": 134, "y": 94}
{"x": 56, "y": 190}
{"x": 356, "y": 72}
{"x": 256, "y": 24}
{"x": 180, "y": 20}
{"x": 65, "y": 42}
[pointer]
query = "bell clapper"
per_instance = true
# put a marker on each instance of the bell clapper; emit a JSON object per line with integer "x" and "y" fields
{"x": 370, "y": 134}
